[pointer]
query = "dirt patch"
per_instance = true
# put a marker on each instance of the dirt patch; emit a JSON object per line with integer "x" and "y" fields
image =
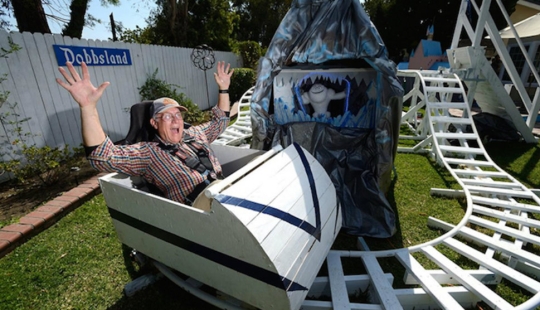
{"x": 18, "y": 199}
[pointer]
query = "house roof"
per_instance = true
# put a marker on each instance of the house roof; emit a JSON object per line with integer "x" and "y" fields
{"x": 431, "y": 48}
{"x": 404, "y": 65}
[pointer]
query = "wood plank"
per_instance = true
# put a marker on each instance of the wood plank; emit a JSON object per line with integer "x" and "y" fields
{"x": 26, "y": 88}
{"x": 501, "y": 246}
{"x": 460, "y": 149}
{"x": 494, "y": 266}
{"x": 504, "y": 230}
{"x": 354, "y": 283}
{"x": 490, "y": 183}
{"x": 383, "y": 289}
{"x": 340, "y": 298}
{"x": 55, "y": 136}
{"x": 521, "y": 193}
{"x": 127, "y": 83}
{"x": 417, "y": 298}
{"x": 483, "y": 275}
{"x": 494, "y": 202}
{"x": 465, "y": 279}
{"x": 111, "y": 106}
{"x": 507, "y": 216}
{"x": 443, "y": 299}
{"x": 62, "y": 107}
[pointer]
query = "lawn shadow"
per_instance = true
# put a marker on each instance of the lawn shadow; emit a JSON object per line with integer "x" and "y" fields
{"x": 506, "y": 153}
{"x": 133, "y": 268}
{"x": 163, "y": 294}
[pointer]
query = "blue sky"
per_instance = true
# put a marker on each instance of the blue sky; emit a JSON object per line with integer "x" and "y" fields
{"x": 130, "y": 13}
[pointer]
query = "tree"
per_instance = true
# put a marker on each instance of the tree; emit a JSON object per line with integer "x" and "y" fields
{"x": 390, "y": 16}
{"x": 31, "y": 16}
{"x": 217, "y": 23}
{"x": 138, "y": 35}
{"x": 259, "y": 19}
{"x": 190, "y": 23}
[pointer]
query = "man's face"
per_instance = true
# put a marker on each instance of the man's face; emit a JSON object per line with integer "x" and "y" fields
{"x": 172, "y": 130}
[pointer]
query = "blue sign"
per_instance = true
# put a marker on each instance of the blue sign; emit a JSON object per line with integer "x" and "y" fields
{"x": 92, "y": 56}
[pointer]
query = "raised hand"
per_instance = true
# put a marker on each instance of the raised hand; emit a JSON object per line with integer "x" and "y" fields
{"x": 223, "y": 75}
{"x": 82, "y": 90}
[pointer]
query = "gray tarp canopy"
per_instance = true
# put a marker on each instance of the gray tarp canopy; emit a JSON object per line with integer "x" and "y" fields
{"x": 336, "y": 43}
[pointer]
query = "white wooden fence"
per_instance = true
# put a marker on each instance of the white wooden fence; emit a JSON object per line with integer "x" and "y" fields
{"x": 54, "y": 116}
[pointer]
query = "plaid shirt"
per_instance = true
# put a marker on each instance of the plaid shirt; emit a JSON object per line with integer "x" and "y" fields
{"x": 169, "y": 173}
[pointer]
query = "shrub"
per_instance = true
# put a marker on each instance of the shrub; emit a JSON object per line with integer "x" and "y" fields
{"x": 250, "y": 51}
{"x": 50, "y": 165}
{"x": 155, "y": 88}
{"x": 241, "y": 80}
{"x": 26, "y": 160}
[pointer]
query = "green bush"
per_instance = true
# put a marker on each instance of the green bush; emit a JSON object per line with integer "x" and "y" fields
{"x": 155, "y": 88}
{"x": 250, "y": 51}
{"x": 50, "y": 165}
{"x": 241, "y": 80}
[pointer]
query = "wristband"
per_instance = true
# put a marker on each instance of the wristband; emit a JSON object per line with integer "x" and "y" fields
{"x": 223, "y": 91}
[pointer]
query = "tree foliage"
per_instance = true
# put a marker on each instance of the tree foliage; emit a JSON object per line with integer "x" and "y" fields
{"x": 138, "y": 35}
{"x": 403, "y": 23}
{"x": 190, "y": 23}
{"x": 259, "y": 19}
{"x": 217, "y": 23}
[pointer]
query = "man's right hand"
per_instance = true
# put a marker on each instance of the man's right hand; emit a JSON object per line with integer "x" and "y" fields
{"x": 82, "y": 90}
{"x": 87, "y": 97}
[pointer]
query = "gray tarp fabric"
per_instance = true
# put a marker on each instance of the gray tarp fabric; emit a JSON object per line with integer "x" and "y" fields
{"x": 357, "y": 148}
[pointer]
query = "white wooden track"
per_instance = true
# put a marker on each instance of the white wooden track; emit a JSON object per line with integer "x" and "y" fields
{"x": 237, "y": 133}
{"x": 498, "y": 232}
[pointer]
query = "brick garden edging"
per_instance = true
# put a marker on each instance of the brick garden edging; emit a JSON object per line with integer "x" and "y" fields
{"x": 13, "y": 235}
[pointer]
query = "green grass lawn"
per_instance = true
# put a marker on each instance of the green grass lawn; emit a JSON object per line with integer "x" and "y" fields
{"x": 78, "y": 263}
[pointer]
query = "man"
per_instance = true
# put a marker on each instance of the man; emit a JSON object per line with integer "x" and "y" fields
{"x": 179, "y": 163}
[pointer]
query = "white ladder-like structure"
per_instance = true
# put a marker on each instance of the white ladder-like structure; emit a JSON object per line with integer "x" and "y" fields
{"x": 237, "y": 133}
{"x": 496, "y": 232}
{"x": 483, "y": 83}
